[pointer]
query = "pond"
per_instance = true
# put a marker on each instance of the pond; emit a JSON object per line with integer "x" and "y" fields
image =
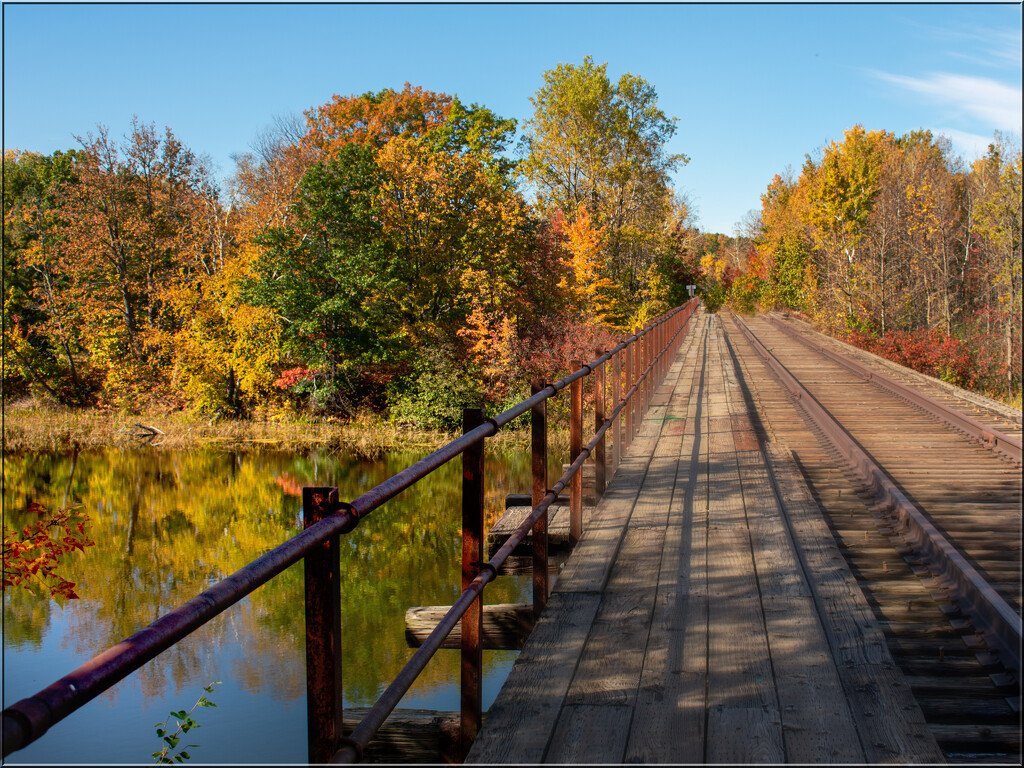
{"x": 169, "y": 524}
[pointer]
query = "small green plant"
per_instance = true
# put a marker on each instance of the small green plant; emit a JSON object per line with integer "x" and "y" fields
{"x": 185, "y": 723}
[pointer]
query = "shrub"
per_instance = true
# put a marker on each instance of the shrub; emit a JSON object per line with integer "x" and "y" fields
{"x": 929, "y": 351}
{"x": 435, "y": 394}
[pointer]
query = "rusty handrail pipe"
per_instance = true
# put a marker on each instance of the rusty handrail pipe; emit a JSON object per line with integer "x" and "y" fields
{"x": 395, "y": 484}
{"x": 357, "y": 741}
{"x": 28, "y": 719}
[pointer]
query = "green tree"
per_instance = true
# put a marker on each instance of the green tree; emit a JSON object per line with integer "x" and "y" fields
{"x": 603, "y": 144}
{"x": 328, "y": 276}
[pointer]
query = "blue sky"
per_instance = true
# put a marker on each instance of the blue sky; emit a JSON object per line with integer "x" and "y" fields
{"x": 755, "y": 87}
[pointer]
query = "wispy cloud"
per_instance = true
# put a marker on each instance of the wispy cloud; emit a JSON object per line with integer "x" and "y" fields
{"x": 992, "y": 48}
{"x": 981, "y": 98}
{"x": 982, "y": 46}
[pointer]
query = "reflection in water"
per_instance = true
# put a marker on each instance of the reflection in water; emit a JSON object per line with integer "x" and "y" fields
{"x": 167, "y": 526}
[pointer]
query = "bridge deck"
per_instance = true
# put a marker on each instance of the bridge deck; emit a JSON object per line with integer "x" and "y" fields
{"x": 698, "y": 622}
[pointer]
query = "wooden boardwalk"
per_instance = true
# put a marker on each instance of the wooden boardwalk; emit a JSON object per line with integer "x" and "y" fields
{"x": 699, "y": 622}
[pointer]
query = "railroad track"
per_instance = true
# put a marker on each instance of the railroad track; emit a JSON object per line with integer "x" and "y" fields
{"x": 999, "y": 416}
{"x": 958, "y": 664}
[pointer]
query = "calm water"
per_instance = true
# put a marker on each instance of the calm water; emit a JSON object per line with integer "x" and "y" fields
{"x": 166, "y": 526}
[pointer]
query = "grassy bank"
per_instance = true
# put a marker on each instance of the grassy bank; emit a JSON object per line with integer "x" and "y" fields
{"x": 33, "y": 427}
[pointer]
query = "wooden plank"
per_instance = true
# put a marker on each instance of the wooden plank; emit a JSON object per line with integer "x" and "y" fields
{"x": 743, "y": 735}
{"x": 888, "y": 718}
{"x": 609, "y": 670}
{"x": 590, "y": 566}
{"x": 669, "y": 719}
{"x": 410, "y": 736}
{"x": 590, "y": 734}
{"x": 803, "y": 666}
{"x": 595, "y": 723}
{"x": 505, "y": 625}
{"x": 523, "y": 716}
{"x": 743, "y": 715}
{"x": 558, "y": 527}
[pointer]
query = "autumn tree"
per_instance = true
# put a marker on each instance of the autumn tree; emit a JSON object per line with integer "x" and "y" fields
{"x": 996, "y": 182}
{"x": 603, "y": 144}
{"x": 443, "y": 230}
{"x": 42, "y": 329}
{"x": 840, "y": 192}
{"x": 130, "y": 221}
{"x": 784, "y": 246}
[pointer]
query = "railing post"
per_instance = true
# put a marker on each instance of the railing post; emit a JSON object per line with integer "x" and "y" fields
{"x": 323, "y": 631}
{"x": 662, "y": 339}
{"x": 645, "y": 403}
{"x": 599, "y": 449}
{"x": 638, "y": 396}
{"x": 472, "y": 559}
{"x": 616, "y": 397}
{"x": 575, "y": 449}
{"x": 627, "y": 411}
{"x": 539, "y": 461}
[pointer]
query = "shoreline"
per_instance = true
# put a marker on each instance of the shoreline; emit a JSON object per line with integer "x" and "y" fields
{"x": 45, "y": 429}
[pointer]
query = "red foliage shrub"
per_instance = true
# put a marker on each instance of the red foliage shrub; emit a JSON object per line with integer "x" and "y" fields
{"x": 293, "y": 376}
{"x": 932, "y": 352}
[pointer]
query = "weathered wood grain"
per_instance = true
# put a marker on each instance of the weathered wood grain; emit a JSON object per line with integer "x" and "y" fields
{"x": 522, "y": 718}
{"x": 505, "y": 625}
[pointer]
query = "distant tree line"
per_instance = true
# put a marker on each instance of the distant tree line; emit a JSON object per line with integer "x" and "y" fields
{"x": 894, "y": 244}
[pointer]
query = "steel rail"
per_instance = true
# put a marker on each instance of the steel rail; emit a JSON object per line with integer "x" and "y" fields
{"x": 30, "y": 718}
{"x": 992, "y": 438}
{"x": 990, "y": 613}
{"x": 352, "y": 747}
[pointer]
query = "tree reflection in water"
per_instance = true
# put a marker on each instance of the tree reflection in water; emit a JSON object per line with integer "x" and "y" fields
{"x": 167, "y": 525}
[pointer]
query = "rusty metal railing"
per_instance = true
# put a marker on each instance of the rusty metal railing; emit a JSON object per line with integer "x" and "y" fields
{"x": 646, "y": 355}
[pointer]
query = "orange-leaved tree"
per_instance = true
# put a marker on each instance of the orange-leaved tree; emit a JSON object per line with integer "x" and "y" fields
{"x": 32, "y": 555}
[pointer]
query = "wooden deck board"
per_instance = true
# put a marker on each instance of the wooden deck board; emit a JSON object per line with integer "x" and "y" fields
{"x": 699, "y": 621}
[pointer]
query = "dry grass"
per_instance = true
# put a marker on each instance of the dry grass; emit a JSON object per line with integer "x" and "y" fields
{"x": 32, "y": 427}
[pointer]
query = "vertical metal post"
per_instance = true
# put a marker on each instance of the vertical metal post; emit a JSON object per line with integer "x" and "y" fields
{"x": 662, "y": 340}
{"x": 628, "y": 410}
{"x": 616, "y": 397}
{"x": 599, "y": 450}
{"x": 646, "y": 402}
{"x": 472, "y": 559}
{"x": 638, "y": 397}
{"x": 539, "y": 461}
{"x": 323, "y": 631}
{"x": 575, "y": 449}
